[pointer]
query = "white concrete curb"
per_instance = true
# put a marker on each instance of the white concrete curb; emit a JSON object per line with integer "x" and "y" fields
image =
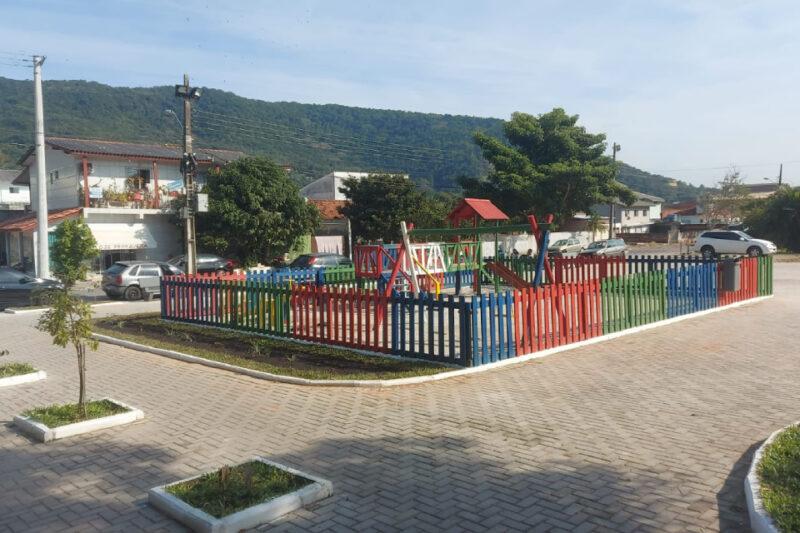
{"x": 416, "y": 379}
{"x": 43, "y": 433}
{"x": 251, "y": 517}
{"x": 760, "y": 521}
{"x": 23, "y": 378}
{"x": 23, "y": 311}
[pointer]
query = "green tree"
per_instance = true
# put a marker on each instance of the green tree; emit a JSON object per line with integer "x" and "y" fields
{"x": 777, "y": 218}
{"x": 255, "y": 212}
{"x": 69, "y": 320}
{"x": 549, "y": 164}
{"x": 378, "y": 203}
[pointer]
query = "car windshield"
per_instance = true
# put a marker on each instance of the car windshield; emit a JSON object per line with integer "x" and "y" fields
{"x": 743, "y": 234}
{"x": 301, "y": 261}
{"x": 562, "y": 242}
{"x": 176, "y": 260}
{"x": 597, "y": 244}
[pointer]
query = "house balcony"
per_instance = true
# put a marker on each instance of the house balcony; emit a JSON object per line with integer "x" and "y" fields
{"x": 142, "y": 201}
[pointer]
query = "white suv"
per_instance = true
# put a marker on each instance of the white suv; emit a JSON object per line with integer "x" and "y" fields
{"x": 711, "y": 243}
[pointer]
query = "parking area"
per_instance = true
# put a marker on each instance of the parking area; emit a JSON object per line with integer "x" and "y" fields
{"x": 649, "y": 432}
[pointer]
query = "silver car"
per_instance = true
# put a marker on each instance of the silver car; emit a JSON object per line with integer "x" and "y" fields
{"x": 607, "y": 247}
{"x": 565, "y": 247}
{"x": 136, "y": 280}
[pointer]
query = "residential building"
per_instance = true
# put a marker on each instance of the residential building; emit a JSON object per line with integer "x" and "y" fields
{"x": 13, "y": 198}
{"x": 761, "y": 190}
{"x": 634, "y": 218}
{"x": 327, "y": 187}
{"x": 333, "y": 234}
{"x": 122, "y": 190}
{"x": 688, "y": 212}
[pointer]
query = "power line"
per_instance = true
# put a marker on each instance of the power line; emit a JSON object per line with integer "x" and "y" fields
{"x": 363, "y": 140}
{"x": 726, "y": 167}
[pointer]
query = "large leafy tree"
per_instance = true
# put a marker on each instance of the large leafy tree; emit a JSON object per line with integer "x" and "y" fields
{"x": 547, "y": 164}
{"x": 728, "y": 202}
{"x": 777, "y": 218}
{"x": 69, "y": 320}
{"x": 255, "y": 213}
{"x": 378, "y": 203}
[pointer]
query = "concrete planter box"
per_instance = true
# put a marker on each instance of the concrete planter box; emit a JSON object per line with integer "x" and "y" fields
{"x": 23, "y": 378}
{"x": 43, "y": 433}
{"x": 760, "y": 520}
{"x": 251, "y": 517}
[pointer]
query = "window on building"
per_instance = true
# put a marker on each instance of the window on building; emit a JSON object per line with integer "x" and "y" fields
{"x": 13, "y": 190}
{"x": 53, "y": 176}
{"x": 139, "y": 178}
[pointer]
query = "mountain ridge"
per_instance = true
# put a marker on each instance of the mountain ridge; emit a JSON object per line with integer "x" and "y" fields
{"x": 434, "y": 149}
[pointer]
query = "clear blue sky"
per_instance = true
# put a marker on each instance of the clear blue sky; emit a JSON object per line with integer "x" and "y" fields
{"x": 679, "y": 84}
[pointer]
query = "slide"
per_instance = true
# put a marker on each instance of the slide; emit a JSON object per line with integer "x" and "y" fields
{"x": 507, "y": 275}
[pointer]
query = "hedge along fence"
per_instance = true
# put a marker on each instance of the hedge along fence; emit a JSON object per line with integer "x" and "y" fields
{"x": 466, "y": 331}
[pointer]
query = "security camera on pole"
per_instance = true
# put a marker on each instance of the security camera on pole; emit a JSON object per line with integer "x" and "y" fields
{"x": 188, "y": 168}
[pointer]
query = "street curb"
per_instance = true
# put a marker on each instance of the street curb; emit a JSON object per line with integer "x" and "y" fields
{"x": 44, "y": 433}
{"x": 380, "y": 383}
{"x": 23, "y": 378}
{"x": 248, "y": 518}
{"x": 23, "y": 311}
{"x": 760, "y": 520}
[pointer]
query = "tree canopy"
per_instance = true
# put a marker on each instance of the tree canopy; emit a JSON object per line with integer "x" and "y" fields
{"x": 726, "y": 203}
{"x": 74, "y": 247}
{"x": 378, "y": 203}
{"x": 777, "y": 218}
{"x": 548, "y": 164}
{"x": 255, "y": 213}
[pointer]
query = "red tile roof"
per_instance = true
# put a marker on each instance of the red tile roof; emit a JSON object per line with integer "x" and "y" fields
{"x": 480, "y": 207}
{"x": 27, "y": 222}
{"x": 329, "y": 209}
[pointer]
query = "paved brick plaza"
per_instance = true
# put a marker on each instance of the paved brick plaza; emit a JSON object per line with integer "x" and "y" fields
{"x": 648, "y": 432}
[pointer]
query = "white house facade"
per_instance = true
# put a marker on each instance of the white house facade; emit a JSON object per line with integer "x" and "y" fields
{"x": 123, "y": 191}
{"x": 327, "y": 187}
{"x": 634, "y": 218}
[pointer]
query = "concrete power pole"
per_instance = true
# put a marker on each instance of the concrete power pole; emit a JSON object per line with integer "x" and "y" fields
{"x": 42, "y": 248}
{"x": 188, "y": 168}
{"x": 611, "y": 207}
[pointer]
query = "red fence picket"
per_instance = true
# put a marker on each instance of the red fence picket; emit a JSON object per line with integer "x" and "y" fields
{"x": 748, "y": 287}
{"x": 553, "y": 315}
{"x": 583, "y": 268}
{"x": 340, "y": 316}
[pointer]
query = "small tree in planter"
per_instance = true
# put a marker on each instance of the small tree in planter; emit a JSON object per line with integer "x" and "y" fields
{"x": 69, "y": 320}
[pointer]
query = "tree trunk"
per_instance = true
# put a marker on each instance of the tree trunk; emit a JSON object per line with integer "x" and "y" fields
{"x": 81, "y": 349}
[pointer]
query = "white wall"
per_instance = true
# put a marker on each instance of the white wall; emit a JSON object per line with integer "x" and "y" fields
{"x": 61, "y": 193}
{"x": 164, "y": 232}
{"x": 23, "y": 195}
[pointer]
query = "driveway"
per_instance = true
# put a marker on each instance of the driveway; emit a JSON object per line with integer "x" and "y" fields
{"x": 650, "y": 432}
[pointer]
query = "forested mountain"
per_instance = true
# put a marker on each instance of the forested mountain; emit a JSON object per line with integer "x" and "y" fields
{"x": 312, "y": 139}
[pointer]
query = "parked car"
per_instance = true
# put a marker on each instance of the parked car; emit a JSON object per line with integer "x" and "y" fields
{"x": 562, "y": 247}
{"x": 206, "y": 264}
{"x": 607, "y": 247}
{"x": 319, "y": 260}
{"x": 711, "y": 243}
{"x": 19, "y": 288}
{"x": 136, "y": 280}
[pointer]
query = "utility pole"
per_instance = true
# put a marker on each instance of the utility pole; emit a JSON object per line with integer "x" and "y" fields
{"x": 780, "y": 175}
{"x": 188, "y": 168}
{"x": 43, "y": 246}
{"x": 611, "y": 207}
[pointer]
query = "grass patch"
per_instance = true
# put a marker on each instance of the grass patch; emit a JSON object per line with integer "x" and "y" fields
{"x": 54, "y": 416}
{"x": 15, "y": 369}
{"x": 779, "y": 472}
{"x": 233, "y": 488}
{"x": 256, "y": 352}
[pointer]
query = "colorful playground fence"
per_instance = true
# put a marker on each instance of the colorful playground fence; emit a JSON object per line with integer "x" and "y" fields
{"x": 604, "y": 295}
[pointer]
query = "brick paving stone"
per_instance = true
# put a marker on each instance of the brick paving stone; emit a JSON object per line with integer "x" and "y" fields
{"x": 649, "y": 432}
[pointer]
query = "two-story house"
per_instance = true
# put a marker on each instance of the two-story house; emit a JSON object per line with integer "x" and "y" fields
{"x": 634, "y": 218}
{"x": 13, "y": 197}
{"x": 122, "y": 190}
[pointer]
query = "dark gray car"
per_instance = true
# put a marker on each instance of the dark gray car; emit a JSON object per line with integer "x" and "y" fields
{"x": 606, "y": 248}
{"x": 136, "y": 280}
{"x": 21, "y": 289}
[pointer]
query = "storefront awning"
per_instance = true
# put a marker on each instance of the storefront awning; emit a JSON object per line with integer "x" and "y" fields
{"x": 121, "y": 236}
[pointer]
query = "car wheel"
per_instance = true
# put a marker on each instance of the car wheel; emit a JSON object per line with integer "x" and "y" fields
{"x": 708, "y": 252}
{"x": 754, "y": 251}
{"x": 133, "y": 293}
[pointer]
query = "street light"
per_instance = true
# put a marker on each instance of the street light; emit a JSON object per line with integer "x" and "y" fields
{"x": 173, "y": 114}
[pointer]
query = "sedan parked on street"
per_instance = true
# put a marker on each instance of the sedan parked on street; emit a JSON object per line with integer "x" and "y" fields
{"x": 607, "y": 247}
{"x": 564, "y": 247}
{"x": 711, "y": 243}
{"x": 320, "y": 260}
{"x": 206, "y": 264}
{"x": 136, "y": 280}
{"x": 20, "y": 289}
